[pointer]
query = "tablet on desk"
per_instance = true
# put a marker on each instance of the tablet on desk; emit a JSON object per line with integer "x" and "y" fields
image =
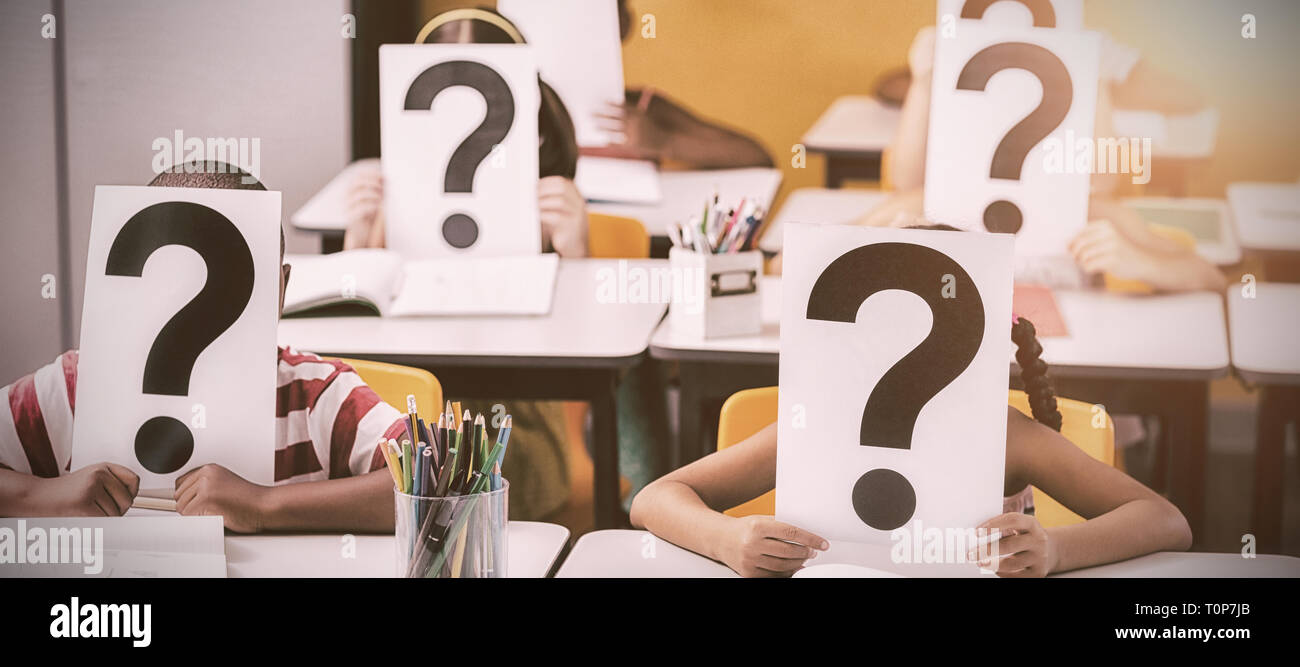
{"x": 1207, "y": 220}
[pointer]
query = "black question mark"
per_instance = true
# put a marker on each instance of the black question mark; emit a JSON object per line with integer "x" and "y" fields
{"x": 1043, "y": 12}
{"x": 883, "y": 498}
{"x": 1009, "y": 157}
{"x": 164, "y": 444}
{"x": 459, "y": 229}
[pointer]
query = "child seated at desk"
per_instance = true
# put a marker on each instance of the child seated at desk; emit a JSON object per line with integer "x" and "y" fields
{"x": 1125, "y": 519}
{"x": 1116, "y": 241}
{"x": 563, "y": 209}
{"x": 329, "y": 475}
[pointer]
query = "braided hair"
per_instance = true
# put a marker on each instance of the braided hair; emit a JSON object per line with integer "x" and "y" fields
{"x": 1033, "y": 373}
{"x": 1033, "y": 370}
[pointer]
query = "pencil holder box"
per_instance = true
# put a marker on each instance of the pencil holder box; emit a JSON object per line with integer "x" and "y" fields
{"x": 452, "y": 537}
{"x": 718, "y": 293}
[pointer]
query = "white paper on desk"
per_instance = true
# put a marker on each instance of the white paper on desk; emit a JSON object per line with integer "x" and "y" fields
{"x": 140, "y": 545}
{"x": 579, "y": 54}
{"x": 618, "y": 180}
{"x": 459, "y": 140}
{"x": 1064, "y": 14}
{"x": 208, "y": 396}
{"x": 1037, "y": 178}
{"x": 854, "y": 364}
{"x": 477, "y": 286}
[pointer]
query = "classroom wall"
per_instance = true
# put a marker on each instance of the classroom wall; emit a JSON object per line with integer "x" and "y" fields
{"x": 28, "y": 219}
{"x": 139, "y": 70}
{"x": 772, "y": 66}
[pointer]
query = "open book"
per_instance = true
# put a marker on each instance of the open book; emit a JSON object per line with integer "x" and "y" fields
{"x": 379, "y": 282}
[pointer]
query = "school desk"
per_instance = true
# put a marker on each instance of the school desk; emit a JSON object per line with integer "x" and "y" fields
{"x": 685, "y": 192}
{"x": 852, "y": 133}
{"x": 574, "y": 353}
{"x": 638, "y": 554}
{"x": 1268, "y": 223}
{"x": 822, "y": 206}
{"x": 1264, "y": 353}
{"x": 1150, "y": 355}
{"x": 533, "y": 549}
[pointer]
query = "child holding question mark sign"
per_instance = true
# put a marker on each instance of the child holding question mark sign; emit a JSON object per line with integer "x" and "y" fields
{"x": 1125, "y": 519}
{"x": 1116, "y": 241}
{"x": 330, "y": 422}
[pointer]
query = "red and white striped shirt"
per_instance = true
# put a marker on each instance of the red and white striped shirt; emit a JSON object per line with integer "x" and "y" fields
{"x": 327, "y": 421}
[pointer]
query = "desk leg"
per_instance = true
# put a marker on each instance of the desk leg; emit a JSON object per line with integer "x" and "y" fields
{"x": 604, "y": 421}
{"x": 1277, "y": 407}
{"x": 690, "y": 413}
{"x": 1187, "y": 420}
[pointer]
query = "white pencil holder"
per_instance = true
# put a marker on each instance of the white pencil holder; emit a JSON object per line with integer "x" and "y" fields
{"x": 719, "y": 295}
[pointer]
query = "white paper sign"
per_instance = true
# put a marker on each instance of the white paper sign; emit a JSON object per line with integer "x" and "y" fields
{"x": 1008, "y": 107}
{"x": 1063, "y": 14}
{"x": 177, "y": 365}
{"x": 579, "y": 54}
{"x": 459, "y": 142}
{"x": 893, "y": 379}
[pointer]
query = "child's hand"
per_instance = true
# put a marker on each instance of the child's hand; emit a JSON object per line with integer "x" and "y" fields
{"x": 1024, "y": 548}
{"x": 1102, "y": 248}
{"x": 761, "y": 546}
{"x": 365, "y": 203}
{"x": 212, "y": 490}
{"x": 920, "y": 56}
{"x": 564, "y": 215}
{"x": 103, "y": 489}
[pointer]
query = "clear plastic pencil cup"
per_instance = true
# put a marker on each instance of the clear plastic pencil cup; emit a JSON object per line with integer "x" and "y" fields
{"x": 452, "y": 537}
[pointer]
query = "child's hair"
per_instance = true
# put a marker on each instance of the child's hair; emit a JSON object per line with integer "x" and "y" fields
{"x": 1033, "y": 370}
{"x": 210, "y": 174}
{"x": 558, "y": 152}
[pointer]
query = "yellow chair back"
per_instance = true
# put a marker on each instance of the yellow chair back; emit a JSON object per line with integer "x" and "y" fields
{"x": 1088, "y": 427}
{"x": 744, "y": 414}
{"x": 616, "y": 237}
{"x": 394, "y": 383}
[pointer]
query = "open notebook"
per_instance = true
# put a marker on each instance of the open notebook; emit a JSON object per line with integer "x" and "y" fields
{"x": 379, "y": 282}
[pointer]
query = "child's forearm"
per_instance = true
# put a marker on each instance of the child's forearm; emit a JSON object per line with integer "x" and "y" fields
{"x": 707, "y": 146}
{"x": 1133, "y": 529}
{"x": 1186, "y": 272}
{"x": 674, "y": 512}
{"x": 362, "y": 504}
{"x": 16, "y": 494}
{"x": 907, "y": 151}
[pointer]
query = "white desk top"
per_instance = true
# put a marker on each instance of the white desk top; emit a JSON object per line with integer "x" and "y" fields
{"x": 578, "y": 327}
{"x": 1267, "y": 215}
{"x": 820, "y": 206}
{"x": 1263, "y": 332}
{"x": 636, "y": 553}
{"x": 685, "y": 192}
{"x": 532, "y": 549}
{"x": 853, "y": 124}
{"x": 682, "y": 193}
{"x": 1179, "y": 336}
